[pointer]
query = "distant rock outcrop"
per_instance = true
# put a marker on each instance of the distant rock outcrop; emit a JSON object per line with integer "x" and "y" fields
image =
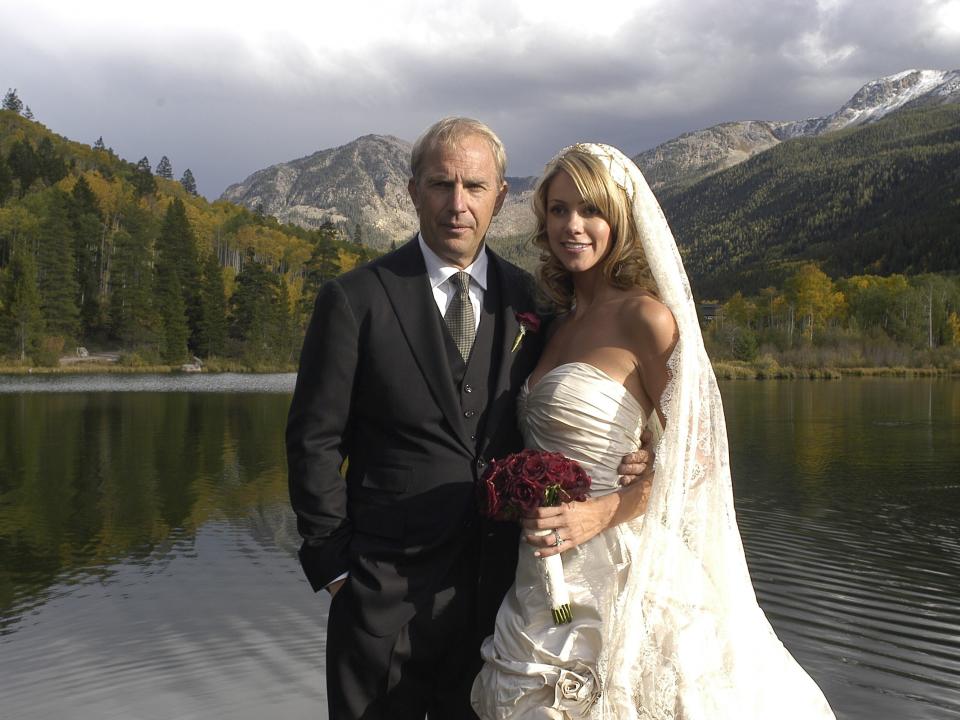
{"x": 697, "y": 154}
{"x": 363, "y": 182}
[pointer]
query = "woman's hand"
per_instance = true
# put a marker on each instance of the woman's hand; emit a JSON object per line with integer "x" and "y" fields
{"x": 576, "y": 522}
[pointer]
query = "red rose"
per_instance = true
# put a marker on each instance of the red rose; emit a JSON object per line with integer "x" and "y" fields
{"x": 555, "y": 465}
{"x": 534, "y": 468}
{"x": 527, "y": 495}
{"x": 520, "y": 483}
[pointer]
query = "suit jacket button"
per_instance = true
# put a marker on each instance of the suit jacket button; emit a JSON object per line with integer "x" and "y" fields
{"x": 470, "y": 413}
{"x": 468, "y": 388}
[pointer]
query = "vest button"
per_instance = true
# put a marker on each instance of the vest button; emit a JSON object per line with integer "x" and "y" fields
{"x": 468, "y": 388}
{"x": 470, "y": 413}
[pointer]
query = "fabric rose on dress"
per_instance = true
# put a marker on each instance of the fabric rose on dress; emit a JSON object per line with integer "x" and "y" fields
{"x": 577, "y": 690}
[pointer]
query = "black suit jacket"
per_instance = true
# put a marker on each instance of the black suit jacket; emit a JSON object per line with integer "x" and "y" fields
{"x": 375, "y": 394}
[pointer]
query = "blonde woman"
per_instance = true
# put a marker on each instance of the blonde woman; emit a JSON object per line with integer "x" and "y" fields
{"x": 665, "y": 620}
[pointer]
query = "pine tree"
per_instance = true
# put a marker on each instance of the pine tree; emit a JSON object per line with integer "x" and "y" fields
{"x": 53, "y": 168}
{"x": 132, "y": 318}
{"x": 12, "y": 102}
{"x": 57, "y": 272}
{"x": 189, "y": 184}
{"x": 286, "y": 330}
{"x": 358, "y": 235}
{"x": 253, "y": 309}
{"x": 87, "y": 225}
{"x": 324, "y": 263}
{"x": 213, "y": 309}
{"x": 6, "y": 181}
{"x": 24, "y": 164}
{"x": 164, "y": 168}
{"x": 28, "y": 113}
{"x": 22, "y": 319}
{"x": 98, "y": 145}
{"x": 177, "y": 252}
{"x": 144, "y": 183}
{"x": 173, "y": 316}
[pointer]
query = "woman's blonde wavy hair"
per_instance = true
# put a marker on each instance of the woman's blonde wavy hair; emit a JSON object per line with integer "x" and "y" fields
{"x": 625, "y": 265}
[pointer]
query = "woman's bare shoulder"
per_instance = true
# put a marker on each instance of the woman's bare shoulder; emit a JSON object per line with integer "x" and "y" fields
{"x": 647, "y": 321}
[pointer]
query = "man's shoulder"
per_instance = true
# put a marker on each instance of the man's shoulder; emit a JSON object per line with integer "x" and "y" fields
{"x": 514, "y": 275}
{"x": 363, "y": 278}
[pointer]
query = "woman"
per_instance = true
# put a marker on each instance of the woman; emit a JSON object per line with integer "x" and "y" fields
{"x": 665, "y": 620}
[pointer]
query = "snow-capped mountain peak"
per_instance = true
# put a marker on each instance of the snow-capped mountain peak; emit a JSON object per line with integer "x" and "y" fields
{"x": 880, "y": 97}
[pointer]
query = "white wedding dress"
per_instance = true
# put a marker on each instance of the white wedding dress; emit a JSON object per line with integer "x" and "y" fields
{"x": 536, "y": 670}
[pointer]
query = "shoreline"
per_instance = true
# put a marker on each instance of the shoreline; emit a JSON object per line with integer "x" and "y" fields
{"x": 724, "y": 370}
{"x": 115, "y": 369}
{"x": 734, "y": 370}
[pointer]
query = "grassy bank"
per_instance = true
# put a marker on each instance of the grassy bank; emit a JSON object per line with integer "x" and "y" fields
{"x": 772, "y": 370}
{"x": 124, "y": 366}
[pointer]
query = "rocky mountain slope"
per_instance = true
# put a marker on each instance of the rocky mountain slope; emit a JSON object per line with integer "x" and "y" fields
{"x": 364, "y": 183}
{"x": 692, "y": 156}
{"x": 361, "y": 183}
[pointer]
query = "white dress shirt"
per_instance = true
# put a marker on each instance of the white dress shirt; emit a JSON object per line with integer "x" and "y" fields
{"x": 439, "y": 272}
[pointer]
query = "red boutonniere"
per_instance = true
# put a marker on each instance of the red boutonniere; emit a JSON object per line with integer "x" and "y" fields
{"x": 529, "y": 322}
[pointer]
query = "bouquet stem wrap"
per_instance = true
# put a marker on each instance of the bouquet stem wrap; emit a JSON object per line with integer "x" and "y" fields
{"x": 551, "y": 568}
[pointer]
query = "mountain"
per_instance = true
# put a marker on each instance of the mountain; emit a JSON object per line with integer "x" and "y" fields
{"x": 697, "y": 154}
{"x": 363, "y": 182}
{"x": 692, "y": 156}
{"x": 874, "y": 198}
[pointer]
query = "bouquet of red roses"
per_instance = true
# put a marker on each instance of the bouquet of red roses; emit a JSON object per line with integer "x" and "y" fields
{"x": 518, "y": 484}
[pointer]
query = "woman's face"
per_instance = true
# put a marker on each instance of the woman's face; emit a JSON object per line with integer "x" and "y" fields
{"x": 578, "y": 235}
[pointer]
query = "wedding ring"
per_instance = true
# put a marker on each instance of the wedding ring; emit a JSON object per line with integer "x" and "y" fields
{"x": 558, "y": 541}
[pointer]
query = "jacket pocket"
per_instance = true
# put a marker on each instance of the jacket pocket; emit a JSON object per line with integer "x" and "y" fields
{"x": 388, "y": 478}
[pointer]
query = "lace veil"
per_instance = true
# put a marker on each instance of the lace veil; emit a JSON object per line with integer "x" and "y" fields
{"x": 689, "y": 640}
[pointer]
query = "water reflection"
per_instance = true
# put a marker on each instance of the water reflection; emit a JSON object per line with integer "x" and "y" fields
{"x": 849, "y": 503}
{"x": 147, "y": 552}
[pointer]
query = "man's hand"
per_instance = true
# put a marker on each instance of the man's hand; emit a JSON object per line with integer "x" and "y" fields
{"x": 638, "y": 464}
{"x": 334, "y": 587}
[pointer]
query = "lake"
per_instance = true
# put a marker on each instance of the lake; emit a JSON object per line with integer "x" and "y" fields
{"x": 148, "y": 569}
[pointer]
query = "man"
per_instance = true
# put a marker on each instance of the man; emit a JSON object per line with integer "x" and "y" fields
{"x": 408, "y": 380}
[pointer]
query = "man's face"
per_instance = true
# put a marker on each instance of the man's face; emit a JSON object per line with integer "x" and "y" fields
{"x": 456, "y": 197}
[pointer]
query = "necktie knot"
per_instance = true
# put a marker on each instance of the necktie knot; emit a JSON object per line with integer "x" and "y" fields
{"x": 462, "y": 281}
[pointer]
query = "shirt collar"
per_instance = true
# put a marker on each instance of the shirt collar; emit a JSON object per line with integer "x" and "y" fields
{"x": 439, "y": 270}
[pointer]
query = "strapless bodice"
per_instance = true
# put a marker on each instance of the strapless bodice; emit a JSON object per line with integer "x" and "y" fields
{"x": 580, "y": 411}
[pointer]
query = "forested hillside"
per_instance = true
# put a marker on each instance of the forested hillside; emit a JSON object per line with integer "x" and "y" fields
{"x": 880, "y": 199}
{"x": 99, "y": 252}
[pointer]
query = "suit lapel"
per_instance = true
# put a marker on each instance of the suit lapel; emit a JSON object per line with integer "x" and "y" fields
{"x": 404, "y": 278}
{"x": 513, "y": 300}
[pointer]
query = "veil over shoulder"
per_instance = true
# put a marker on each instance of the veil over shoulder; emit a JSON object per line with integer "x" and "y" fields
{"x": 688, "y": 639}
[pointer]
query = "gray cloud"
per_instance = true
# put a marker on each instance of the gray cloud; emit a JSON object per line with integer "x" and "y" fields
{"x": 211, "y": 103}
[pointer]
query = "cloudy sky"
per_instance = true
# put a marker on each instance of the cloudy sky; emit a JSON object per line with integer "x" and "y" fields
{"x": 227, "y": 88}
